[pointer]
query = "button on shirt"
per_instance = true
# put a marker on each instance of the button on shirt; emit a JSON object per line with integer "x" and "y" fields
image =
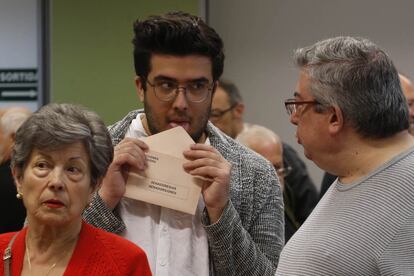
{"x": 175, "y": 242}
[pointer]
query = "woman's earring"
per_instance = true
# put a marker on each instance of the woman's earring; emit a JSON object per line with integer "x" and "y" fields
{"x": 19, "y": 195}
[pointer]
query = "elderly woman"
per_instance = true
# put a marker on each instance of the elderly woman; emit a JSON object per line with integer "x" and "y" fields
{"x": 60, "y": 156}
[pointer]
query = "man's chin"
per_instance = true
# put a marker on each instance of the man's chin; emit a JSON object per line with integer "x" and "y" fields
{"x": 307, "y": 154}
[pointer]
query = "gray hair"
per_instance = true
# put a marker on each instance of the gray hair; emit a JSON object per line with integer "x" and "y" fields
{"x": 56, "y": 125}
{"x": 358, "y": 77}
{"x": 13, "y": 118}
{"x": 257, "y": 133}
{"x": 231, "y": 90}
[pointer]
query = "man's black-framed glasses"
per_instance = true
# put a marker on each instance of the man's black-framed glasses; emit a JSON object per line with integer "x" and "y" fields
{"x": 196, "y": 91}
{"x": 217, "y": 113}
{"x": 292, "y": 105}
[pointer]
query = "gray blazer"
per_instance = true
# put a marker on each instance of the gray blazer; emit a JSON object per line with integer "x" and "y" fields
{"x": 248, "y": 238}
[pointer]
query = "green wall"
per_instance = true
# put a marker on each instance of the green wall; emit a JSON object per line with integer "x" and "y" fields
{"x": 91, "y": 51}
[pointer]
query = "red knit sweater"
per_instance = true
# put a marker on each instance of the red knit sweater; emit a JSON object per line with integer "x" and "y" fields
{"x": 97, "y": 253}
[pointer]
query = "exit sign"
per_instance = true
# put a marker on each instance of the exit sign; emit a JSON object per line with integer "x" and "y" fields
{"x": 18, "y": 85}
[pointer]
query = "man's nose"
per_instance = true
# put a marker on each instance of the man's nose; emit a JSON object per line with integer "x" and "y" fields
{"x": 294, "y": 118}
{"x": 180, "y": 102}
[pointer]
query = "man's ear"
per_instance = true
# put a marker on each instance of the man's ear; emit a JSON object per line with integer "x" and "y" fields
{"x": 238, "y": 110}
{"x": 336, "y": 120}
{"x": 140, "y": 88}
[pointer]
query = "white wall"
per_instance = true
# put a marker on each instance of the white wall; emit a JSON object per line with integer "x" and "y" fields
{"x": 18, "y": 30}
{"x": 19, "y": 39}
{"x": 260, "y": 36}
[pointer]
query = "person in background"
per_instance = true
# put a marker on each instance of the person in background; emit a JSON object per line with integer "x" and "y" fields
{"x": 237, "y": 228}
{"x": 60, "y": 156}
{"x": 351, "y": 118}
{"x": 408, "y": 90}
{"x": 13, "y": 212}
{"x": 227, "y": 109}
{"x": 268, "y": 144}
{"x": 227, "y": 114}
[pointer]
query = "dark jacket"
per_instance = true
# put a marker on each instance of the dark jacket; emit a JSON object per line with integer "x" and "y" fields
{"x": 12, "y": 213}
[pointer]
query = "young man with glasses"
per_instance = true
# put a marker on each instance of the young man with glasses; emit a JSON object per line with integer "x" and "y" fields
{"x": 351, "y": 118}
{"x": 238, "y": 225}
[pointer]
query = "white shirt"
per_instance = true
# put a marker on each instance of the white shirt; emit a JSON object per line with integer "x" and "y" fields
{"x": 175, "y": 242}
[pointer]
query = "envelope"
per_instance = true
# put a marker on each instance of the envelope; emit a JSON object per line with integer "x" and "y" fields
{"x": 164, "y": 182}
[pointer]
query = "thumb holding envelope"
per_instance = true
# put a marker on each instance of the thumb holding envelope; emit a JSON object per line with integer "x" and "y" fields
{"x": 207, "y": 162}
{"x": 130, "y": 152}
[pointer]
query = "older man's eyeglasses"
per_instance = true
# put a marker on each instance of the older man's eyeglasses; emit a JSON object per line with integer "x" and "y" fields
{"x": 292, "y": 106}
{"x": 283, "y": 171}
{"x": 196, "y": 92}
{"x": 217, "y": 113}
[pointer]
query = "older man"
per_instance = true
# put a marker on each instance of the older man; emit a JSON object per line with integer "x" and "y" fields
{"x": 407, "y": 88}
{"x": 227, "y": 109}
{"x": 352, "y": 121}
